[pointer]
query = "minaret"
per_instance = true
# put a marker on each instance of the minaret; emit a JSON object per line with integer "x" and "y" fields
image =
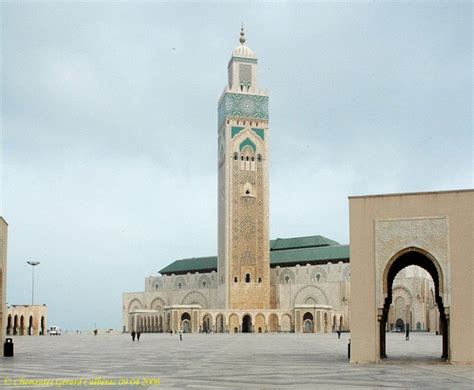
{"x": 243, "y": 242}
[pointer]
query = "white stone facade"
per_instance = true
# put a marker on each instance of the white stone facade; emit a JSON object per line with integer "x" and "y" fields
{"x": 320, "y": 290}
{"x": 294, "y": 292}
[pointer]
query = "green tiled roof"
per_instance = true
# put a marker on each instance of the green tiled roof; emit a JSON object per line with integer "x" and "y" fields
{"x": 194, "y": 264}
{"x": 284, "y": 255}
{"x": 321, "y": 254}
{"x": 300, "y": 242}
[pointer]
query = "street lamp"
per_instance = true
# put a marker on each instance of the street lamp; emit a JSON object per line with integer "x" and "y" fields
{"x": 33, "y": 264}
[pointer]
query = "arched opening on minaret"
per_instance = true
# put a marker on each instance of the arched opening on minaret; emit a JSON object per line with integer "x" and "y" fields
{"x": 248, "y": 190}
{"x": 248, "y": 158}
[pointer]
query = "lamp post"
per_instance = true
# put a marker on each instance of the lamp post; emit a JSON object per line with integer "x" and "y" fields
{"x": 33, "y": 264}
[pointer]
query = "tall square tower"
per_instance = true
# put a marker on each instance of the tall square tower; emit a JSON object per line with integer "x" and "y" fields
{"x": 243, "y": 218}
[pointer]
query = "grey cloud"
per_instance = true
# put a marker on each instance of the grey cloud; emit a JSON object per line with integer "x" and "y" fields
{"x": 109, "y": 129}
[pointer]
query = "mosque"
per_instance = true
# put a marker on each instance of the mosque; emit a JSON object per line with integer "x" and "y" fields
{"x": 299, "y": 284}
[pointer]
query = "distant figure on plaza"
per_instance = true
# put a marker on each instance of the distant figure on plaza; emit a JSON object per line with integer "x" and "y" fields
{"x": 133, "y": 335}
{"x": 138, "y": 336}
{"x": 180, "y": 335}
{"x": 171, "y": 332}
{"x": 95, "y": 332}
{"x": 339, "y": 334}
{"x": 407, "y": 333}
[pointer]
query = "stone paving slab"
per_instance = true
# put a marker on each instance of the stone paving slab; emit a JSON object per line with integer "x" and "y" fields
{"x": 223, "y": 361}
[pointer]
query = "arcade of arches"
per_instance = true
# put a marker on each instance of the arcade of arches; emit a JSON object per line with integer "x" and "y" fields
{"x": 26, "y": 320}
{"x": 413, "y": 304}
{"x": 193, "y": 319}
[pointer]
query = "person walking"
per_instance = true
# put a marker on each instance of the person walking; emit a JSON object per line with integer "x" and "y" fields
{"x": 407, "y": 333}
{"x": 138, "y": 336}
{"x": 338, "y": 334}
{"x": 180, "y": 335}
{"x": 133, "y": 335}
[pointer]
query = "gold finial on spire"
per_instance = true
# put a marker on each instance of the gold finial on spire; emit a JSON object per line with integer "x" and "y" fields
{"x": 242, "y": 34}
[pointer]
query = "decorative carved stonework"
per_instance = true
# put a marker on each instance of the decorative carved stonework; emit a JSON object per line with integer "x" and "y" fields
{"x": 429, "y": 234}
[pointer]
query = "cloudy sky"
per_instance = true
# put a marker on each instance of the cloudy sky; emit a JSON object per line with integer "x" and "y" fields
{"x": 109, "y": 138}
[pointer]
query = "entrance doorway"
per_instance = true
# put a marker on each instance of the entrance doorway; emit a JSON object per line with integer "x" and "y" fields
{"x": 406, "y": 258}
{"x": 186, "y": 323}
{"x": 220, "y": 323}
{"x": 247, "y": 324}
{"x": 206, "y": 323}
{"x": 308, "y": 323}
{"x": 399, "y": 325}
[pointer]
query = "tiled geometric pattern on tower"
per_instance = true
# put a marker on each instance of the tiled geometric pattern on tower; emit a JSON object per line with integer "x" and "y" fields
{"x": 260, "y": 133}
{"x": 245, "y": 60}
{"x": 236, "y": 130}
{"x": 236, "y": 105}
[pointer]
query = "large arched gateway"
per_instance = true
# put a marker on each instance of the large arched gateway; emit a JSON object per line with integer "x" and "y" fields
{"x": 404, "y": 258}
{"x": 391, "y": 232}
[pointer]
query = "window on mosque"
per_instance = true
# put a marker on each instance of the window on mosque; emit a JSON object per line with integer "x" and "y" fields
{"x": 247, "y": 278}
{"x": 235, "y": 279}
{"x": 180, "y": 286}
{"x": 259, "y": 158}
{"x": 236, "y": 156}
{"x": 318, "y": 277}
{"x": 204, "y": 284}
{"x": 260, "y": 280}
{"x": 287, "y": 279}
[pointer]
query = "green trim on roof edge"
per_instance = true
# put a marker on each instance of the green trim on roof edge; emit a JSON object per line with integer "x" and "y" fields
{"x": 194, "y": 264}
{"x": 301, "y": 242}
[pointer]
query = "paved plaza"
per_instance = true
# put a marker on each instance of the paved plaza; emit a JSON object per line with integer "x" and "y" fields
{"x": 303, "y": 361}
